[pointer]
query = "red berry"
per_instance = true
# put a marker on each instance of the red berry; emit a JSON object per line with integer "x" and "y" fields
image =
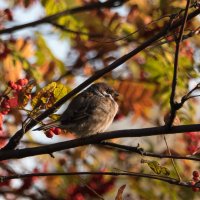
{"x": 8, "y": 14}
{"x": 5, "y": 104}
{"x": 22, "y": 82}
{"x": 195, "y": 173}
{"x": 10, "y": 83}
{"x": 18, "y": 88}
{"x": 57, "y": 131}
{"x": 195, "y": 189}
{"x": 195, "y": 178}
{"x": 79, "y": 196}
{"x": 4, "y": 112}
{"x": 71, "y": 189}
{"x": 49, "y": 133}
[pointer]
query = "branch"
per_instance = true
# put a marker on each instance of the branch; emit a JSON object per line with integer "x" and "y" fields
{"x": 173, "y": 103}
{"x": 124, "y": 173}
{"x": 88, "y": 7}
{"x": 63, "y": 28}
{"x": 140, "y": 151}
{"x": 95, "y": 139}
{"x": 13, "y": 142}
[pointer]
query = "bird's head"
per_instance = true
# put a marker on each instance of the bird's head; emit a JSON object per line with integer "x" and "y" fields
{"x": 104, "y": 90}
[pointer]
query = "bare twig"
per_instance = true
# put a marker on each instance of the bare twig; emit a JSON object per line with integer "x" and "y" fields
{"x": 172, "y": 159}
{"x": 134, "y": 174}
{"x": 173, "y": 103}
{"x": 140, "y": 151}
{"x": 63, "y": 28}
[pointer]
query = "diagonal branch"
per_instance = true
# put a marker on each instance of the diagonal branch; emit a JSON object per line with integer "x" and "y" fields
{"x": 13, "y": 142}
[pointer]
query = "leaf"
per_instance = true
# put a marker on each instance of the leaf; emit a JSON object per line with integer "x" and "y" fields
{"x": 120, "y": 192}
{"x": 60, "y": 91}
{"x": 137, "y": 97}
{"x": 156, "y": 167}
{"x": 48, "y": 95}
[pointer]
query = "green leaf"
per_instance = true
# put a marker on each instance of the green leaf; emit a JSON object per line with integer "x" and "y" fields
{"x": 156, "y": 167}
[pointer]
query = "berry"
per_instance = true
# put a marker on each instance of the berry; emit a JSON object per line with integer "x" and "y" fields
{"x": 195, "y": 178}
{"x": 8, "y": 14}
{"x": 195, "y": 189}
{"x": 195, "y": 173}
{"x": 49, "y": 133}
{"x": 22, "y": 82}
{"x": 4, "y": 112}
{"x": 79, "y": 196}
{"x": 57, "y": 131}
{"x": 18, "y": 88}
{"x": 5, "y": 104}
{"x": 12, "y": 85}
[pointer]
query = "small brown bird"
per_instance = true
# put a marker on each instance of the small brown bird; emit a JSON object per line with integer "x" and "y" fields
{"x": 92, "y": 111}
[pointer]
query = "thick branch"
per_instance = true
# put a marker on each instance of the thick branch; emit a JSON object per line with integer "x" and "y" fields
{"x": 18, "y": 135}
{"x": 95, "y": 139}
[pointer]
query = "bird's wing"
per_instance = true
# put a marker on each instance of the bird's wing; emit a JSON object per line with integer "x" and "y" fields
{"x": 79, "y": 108}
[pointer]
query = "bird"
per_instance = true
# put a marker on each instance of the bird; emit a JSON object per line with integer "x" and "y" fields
{"x": 91, "y": 111}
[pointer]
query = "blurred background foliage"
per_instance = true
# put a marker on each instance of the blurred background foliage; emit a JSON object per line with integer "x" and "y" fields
{"x": 93, "y": 40}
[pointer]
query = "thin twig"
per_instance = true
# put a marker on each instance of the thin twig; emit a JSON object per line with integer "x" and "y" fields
{"x": 140, "y": 151}
{"x": 173, "y": 103}
{"x": 172, "y": 160}
{"x": 134, "y": 174}
{"x": 63, "y": 28}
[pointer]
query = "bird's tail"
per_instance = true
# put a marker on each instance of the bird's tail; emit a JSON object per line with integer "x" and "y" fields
{"x": 48, "y": 126}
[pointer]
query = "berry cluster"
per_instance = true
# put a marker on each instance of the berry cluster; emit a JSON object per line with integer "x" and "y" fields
{"x": 18, "y": 85}
{"x": 9, "y": 99}
{"x": 6, "y": 102}
{"x": 5, "y": 107}
{"x": 195, "y": 181}
{"x": 192, "y": 140}
{"x": 52, "y": 131}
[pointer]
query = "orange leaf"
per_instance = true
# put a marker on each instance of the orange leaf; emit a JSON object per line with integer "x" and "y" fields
{"x": 120, "y": 192}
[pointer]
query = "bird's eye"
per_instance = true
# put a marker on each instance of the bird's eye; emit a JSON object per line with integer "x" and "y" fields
{"x": 109, "y": 91}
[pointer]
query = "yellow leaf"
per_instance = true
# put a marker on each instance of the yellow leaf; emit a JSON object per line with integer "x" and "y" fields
{"x": 156, "y": 167}
{"x": 48, "y": 95}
